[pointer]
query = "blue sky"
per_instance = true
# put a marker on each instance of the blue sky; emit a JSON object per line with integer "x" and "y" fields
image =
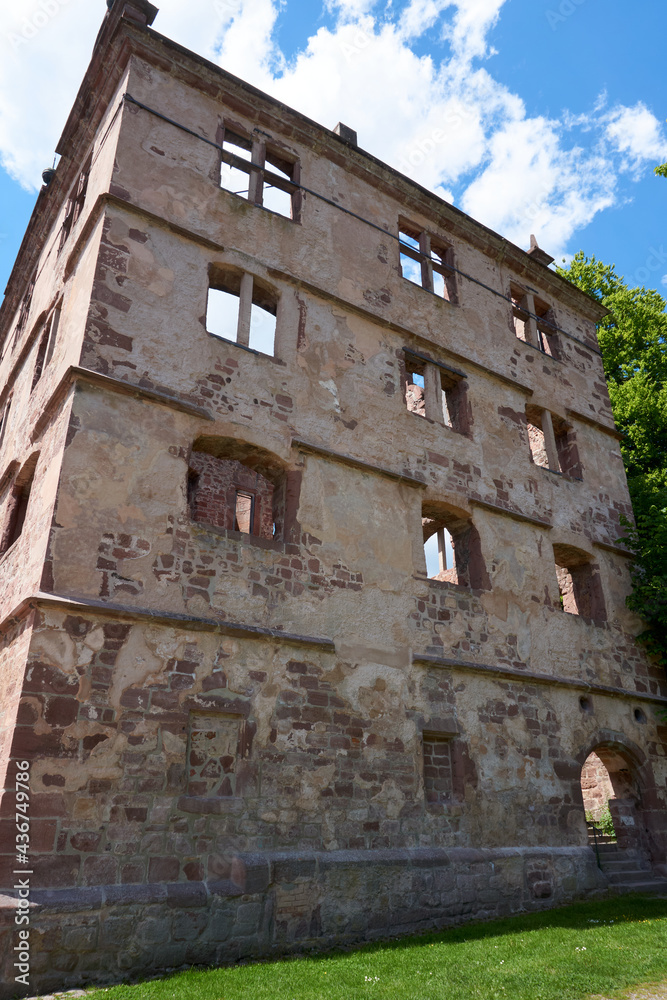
{"x": 542, "y": 116}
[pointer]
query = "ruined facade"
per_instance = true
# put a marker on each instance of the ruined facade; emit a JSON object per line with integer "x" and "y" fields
{"x": 313, "y": 604}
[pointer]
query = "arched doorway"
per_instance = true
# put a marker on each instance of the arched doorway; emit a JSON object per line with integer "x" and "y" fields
{"x": 611, "y": 791}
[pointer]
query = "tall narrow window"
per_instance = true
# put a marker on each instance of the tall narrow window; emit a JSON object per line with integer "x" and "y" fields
{"x": 439, "y": 552}
{"x": 414, "y": 386}
{"x": 24, "y": 310}
{"x": 245, "y": 510}
{"x": 16, "y": 505}
{"x": 534, "y": 320}
{"x": 254, "y": 170}
{"x": 542, "y": 448}
{"x": 243, "y": 310}
{"x": 75, "y": 202}
{"x": 427, "y": 261}
{"x": 546, "y": 328}
{"x": 46, "y": 345}
{"x": 4, "y": 419}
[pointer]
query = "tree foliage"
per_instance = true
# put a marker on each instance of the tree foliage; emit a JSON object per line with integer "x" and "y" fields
{"x": 633, "y": 340}
{"x": 661, "y": 171}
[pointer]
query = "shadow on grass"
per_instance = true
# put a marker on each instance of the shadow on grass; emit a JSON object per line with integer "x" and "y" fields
{"x": 583, "y": 916}
{"x": 575, "y": 916}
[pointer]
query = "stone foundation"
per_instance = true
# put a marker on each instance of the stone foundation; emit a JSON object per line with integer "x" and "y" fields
{"x": 284, "y": 902}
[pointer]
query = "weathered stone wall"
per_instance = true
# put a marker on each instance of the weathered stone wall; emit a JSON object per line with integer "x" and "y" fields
{"x": 228, "y": 729}
{"x": 320, "y": 749}
{"x": 276, "y": 903}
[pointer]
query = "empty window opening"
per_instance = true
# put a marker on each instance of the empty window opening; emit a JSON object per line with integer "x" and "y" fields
{"x": 75, "y": 203}
{"x": 536, "y": 441}
{"x": 567, "y": 451}
{"x": 434, "y": 392}
{"x": 579, "y": 583}
{"x": 552, "y": 442}
{"x": 16, "y": 505}
{"x": 439, "y": 552}
{"x": 46, "y": 345}
{"x": 414, "y": 387}
{"x": 427, "y": 261}
{"x": 452, "y": 547}
{"x": 612, "y": 797}
{"x": 224, "y": 492}
{"x": 232, "y": 177}
{"x": 438, "y": 771}
{"x": 546, "y": 328}
{"x": 245, "y": 511}
{"x": 41, "y": 356}
{"x": 222, "y": 313}
{"x": 251, "y": 170}
{"x": 519, "y": 312}
{"x": 534, "y": 321}
{"x": 4, "y": 419}
{"x": 24, "y": 311}
{"x": 242, "y": 310}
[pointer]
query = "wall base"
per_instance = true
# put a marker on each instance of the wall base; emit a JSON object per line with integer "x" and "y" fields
{"x": 274, "y": 904}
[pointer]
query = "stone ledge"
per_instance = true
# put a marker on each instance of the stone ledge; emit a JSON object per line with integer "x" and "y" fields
{"x": 256, "y": 873}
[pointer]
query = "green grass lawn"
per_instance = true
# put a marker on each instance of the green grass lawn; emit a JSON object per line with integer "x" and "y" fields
{"x": 565, "y": 954}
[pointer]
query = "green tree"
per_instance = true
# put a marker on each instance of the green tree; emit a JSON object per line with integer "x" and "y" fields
{"x": 661, "y": 171}
{"x": 633, "y": 340}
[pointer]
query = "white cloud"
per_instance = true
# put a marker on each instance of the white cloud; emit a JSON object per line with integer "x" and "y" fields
{"x": 638, "y": 135}
{"x": 531, "y": 184}
{"x": 45, "y": 46}
{"x": 448, "y": 124}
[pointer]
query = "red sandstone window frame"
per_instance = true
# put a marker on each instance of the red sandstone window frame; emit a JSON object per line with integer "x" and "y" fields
{"x": 468, "y": 567}
{"x": 559, "y": 442}
{"x": 536, "y": 316}
{"x": 433, "y": 255}
{"x": 260, "y": 176}
{"x": 444, "y": 392}
{"x": 579, "y": 583}
{"x": 16, "y": 504}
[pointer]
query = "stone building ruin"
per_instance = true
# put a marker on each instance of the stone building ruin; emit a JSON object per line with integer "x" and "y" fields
{"x": 313, "y": 605}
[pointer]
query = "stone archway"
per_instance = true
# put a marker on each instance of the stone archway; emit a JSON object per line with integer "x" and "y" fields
{"x": 610, "y": 780}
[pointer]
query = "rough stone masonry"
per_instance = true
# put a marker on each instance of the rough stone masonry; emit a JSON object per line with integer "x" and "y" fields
{"x": 313, "y": 604}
